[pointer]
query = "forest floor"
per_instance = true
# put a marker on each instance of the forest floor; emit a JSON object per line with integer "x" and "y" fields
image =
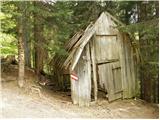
{"x": 16, "y": 103}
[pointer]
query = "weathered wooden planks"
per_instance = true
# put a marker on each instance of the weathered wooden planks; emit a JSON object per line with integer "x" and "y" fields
{"x": 122, "y": 63}
{"x": 94, "y": 69}
{"x": 88, "y": 79}
{"x": 103, "y": 77}
{"x": 81, "y": 89}
{"x": 78, "y": 47}
{"x": 85, "y": 39}
{"x": 129, "y": 81}
{"x": 73, "y": 40}
{"x": 105, "y": 26}
{"x": 111, "y": 57}
{"x": 106, "y": 48}
{"x": 110, "y": 80}
{"x": 74, "y": 91}
{"x": 117, "y": 79}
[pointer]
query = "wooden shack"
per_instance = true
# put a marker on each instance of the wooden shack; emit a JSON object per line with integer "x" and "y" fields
{"x": 100, "y": 57}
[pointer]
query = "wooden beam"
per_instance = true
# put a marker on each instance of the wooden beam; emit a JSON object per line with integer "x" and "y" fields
{"x": 79, "y": 47}
{"x": 89, "y": 75}
{"x": 86, "y": 31}
{"x": 107, "y": 61}
{"x": 94, "y": 70}
{"x": 69, "y": 44}
{"x": 85, "y": 38}
{"x": 67, "y": 61}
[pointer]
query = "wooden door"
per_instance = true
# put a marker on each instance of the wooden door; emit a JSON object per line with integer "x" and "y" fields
{"x": 109, "y": 68}
{"x": 110, "y": 79}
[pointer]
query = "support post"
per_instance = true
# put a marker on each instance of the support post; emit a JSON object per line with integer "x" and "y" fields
{"x": 94, "y": 70}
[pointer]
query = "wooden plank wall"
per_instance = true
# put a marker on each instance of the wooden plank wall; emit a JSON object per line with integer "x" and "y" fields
{"x": 130, "y": 83}
{"x": 81, "y": 89}
{"x": 117, "y": 80}
{"x": 123, "y": 65}
{"x": 108, "y": 49}
{"x": 74, "y": 91}
{"x": 105, "y": 26}
{"x": 120, "y": 50}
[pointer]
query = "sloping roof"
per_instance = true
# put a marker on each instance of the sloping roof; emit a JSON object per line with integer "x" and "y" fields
{"x": 77, "y": 43}
{"x": 78, "y": 47}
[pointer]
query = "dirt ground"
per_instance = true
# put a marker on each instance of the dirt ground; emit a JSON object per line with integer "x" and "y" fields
{"x": 16, "y": 103}
{"x": 28, "y": 103}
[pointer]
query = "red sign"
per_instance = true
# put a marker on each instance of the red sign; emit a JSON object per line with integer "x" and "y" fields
{"x": 74, "y": 76}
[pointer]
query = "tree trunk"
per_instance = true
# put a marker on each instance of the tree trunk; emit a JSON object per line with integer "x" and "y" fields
{"x": 21, "y": 60}
{"x": 142, "y": 16}
{"x": 27, "y": 45}
{"x": 146, "y": 69}
{"x": 38, "y": 44}
{"x": 27, "y": 49}
{"x": 157, "y": 8}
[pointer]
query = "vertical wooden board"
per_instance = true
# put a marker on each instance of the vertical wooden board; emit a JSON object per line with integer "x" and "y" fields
{"x": 117, "y": 79}
{"x": 131, "y": 85}
{"x": 133, "y": 82}
{"x": 106, "y": 78}
{"x": 75, "y": 85}
{"x": 122, "y": 62}
{"x": 74, "y": 91}
{"x": 88, "y": 79}
{"x": 128, "y": 69}
{"x": 103, "y": 77}
{"x": 110, "y": 82}
{"x": 126, "y": 80}
{"x": 117, "y": 83}
{"x": 128, "y": 65}
{"x": 81, "y": 74}
{"x": 94, "y": 69}
{"x": 98, "y": 51}
{"x": 133, "y": 73}
{"x": 84, "y": 81}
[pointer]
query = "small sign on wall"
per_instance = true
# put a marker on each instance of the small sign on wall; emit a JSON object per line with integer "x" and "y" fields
{"x": 74, "y": 76}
